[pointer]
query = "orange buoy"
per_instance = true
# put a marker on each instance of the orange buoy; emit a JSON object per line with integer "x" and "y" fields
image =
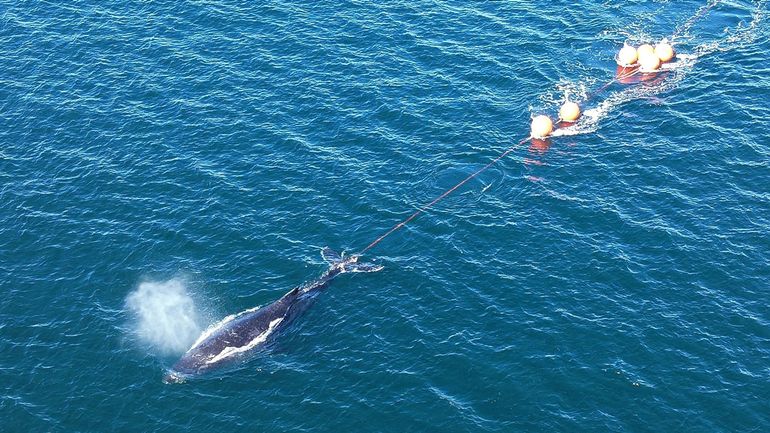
{"x": 542, "y": 126}
{"x": 569, "y": 111}
{"x": 649, "y": 63}
{"x": 627, "y": 56}
{"x": 664, "y": 51}
{"x": 645, "y": 50}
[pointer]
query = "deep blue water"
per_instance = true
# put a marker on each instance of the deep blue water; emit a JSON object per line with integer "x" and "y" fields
{"x": 165, "y": 164}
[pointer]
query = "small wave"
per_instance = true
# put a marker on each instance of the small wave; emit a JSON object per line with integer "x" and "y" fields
{"x": 743, "y": 34}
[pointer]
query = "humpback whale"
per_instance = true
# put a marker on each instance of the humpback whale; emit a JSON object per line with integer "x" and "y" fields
{"x": 249, "y": 329}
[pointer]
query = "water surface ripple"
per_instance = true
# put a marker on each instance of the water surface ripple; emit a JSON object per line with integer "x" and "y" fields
{"x": 613, "y": 280}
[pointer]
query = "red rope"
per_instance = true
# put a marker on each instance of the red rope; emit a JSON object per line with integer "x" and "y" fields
{"x": 442, "y": 196}
{"x": 616, "y": 79}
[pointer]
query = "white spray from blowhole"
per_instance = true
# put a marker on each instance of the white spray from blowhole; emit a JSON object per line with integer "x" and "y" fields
{"x": 166, "y": 316}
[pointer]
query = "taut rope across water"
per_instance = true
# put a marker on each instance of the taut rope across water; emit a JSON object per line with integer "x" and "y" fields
{"x": 442, "y": 196}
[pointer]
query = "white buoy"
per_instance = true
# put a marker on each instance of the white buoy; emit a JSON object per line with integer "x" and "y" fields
{"x": 569, "y": 111}
{"x": 664, "y": 51}
{"x": 648, "y": 60}
{"x": 649, "y": 63}
{"x": 627, "y": 56}
{"x": 645, "y": 50}
{"x": 542, "y": 126}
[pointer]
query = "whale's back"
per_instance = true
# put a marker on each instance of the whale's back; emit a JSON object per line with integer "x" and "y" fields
{"x": 243, "y": 333}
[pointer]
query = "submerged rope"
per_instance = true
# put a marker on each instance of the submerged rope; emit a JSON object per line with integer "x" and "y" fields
{"x": 442, "y": 196}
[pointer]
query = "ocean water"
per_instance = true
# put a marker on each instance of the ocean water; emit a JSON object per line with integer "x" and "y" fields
{"x": 166, "y": 164}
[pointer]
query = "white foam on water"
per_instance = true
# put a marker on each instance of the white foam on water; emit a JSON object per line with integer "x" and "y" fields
{"x": 743, "y": 34}
{"x": 166, "y": 316}
{"x": 589, "y": 121}
{"x": 567, "y": 91}
{"x": 592, "y": 115}
{"x": 230, "y": 351}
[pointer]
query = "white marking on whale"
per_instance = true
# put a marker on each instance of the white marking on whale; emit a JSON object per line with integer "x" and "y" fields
{"x": 230, "y": 350}
{"x": 216, "y": 326}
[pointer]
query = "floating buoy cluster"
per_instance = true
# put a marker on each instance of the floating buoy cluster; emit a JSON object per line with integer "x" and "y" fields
{"x": 644, "y": 59}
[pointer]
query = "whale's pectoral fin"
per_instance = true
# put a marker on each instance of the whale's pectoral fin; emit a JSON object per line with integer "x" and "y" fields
{"x": 332, "y": 257}
{"x": 362, "y": 267}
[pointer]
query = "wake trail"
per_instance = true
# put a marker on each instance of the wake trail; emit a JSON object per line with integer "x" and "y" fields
{"x": 743, "y": 34}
